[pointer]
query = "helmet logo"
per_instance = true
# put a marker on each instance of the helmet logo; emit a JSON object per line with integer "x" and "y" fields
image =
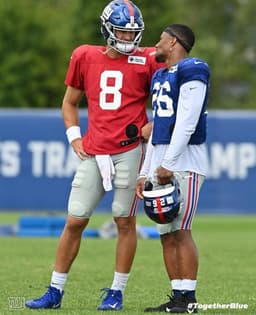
{"x": 107, "y": 12}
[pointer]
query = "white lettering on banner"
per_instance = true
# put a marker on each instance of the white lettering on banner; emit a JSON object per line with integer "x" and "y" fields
{"x": 247, "y": 154}
{"x": 51, "y": 159}
{"x": 234, "y": 159}
{"x": 9, "y": 158}
{"x": 54, "y": 159}
{"x": 37, "y": 148}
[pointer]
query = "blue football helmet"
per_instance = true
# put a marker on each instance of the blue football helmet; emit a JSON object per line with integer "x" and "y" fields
{"x": 162, "y": 205}
{"x": 122, "y": 15}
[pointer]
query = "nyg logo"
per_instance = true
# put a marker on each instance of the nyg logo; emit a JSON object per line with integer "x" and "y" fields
{"x": 107, "y": 12}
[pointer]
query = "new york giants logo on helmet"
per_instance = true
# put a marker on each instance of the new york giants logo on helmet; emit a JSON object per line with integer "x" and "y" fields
{"x": 122, "y": 15}
{"x": 162, "y": 205}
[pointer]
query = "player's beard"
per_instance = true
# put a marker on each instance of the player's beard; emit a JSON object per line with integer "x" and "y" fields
{"x": 160, "y": 57}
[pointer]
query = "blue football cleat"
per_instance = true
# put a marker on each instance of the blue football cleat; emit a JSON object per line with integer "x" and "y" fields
{"x": 51, "y": 299}
{"x": 113, "y": 301}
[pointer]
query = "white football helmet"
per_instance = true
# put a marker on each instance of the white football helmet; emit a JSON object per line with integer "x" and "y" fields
{"x": 162, "y": 205}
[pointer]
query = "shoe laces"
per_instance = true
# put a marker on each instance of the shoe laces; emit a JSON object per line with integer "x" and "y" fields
{"x": 48, "y": 294}
{"x": 171, "y": 300}
{"x": 104, "y": 292}
{"x": 171, "y": 297}
{"x": 107, "y": 293}
{"x": 52, "y": 293}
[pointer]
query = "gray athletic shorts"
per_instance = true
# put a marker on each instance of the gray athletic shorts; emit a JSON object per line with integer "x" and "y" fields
{"x": 87, "y": 188}
{"x": 190, "y": 184}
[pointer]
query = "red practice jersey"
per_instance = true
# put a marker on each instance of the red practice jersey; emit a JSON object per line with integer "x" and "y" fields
{"x": 117, "y": 91}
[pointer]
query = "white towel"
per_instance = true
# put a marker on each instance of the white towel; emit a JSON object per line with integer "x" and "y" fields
{"x": 107, "y": 170}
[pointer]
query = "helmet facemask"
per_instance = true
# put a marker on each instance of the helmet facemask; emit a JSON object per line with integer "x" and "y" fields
{"x": 123, "y": 46}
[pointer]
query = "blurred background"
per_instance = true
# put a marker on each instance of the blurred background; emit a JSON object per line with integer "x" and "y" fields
{"x": 37, "y": 38}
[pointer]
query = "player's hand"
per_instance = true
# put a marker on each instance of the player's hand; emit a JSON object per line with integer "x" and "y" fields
{"x": 146, "y": 130}
{"x": 140, "y": 186}
{"x": 164, "y": 176}
{"x": 78, "y": 149}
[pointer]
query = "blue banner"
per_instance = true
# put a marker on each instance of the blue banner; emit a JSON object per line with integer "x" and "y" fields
{"x": 37, "y": 164}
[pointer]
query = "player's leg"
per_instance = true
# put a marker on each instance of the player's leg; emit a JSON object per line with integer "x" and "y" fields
{"x": 187, "y": 254}
{"x": 124, "y": 211}
{"x": 180, "y": 255}
{"x": 125, "y": 252}
{"x": 126, "y": 243}
{"x": 168, "y": 243}
{"x": 84, "y": 196}
{"x": 125, "y": 206}
{"x": 69, "y": 244}
{"x": 179, "y": 250}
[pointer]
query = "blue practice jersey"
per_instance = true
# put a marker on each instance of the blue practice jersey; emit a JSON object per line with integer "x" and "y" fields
{"x": 165, "y": 88}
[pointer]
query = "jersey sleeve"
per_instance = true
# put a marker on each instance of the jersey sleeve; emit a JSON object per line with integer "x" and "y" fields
{"x": 74, "y": 77}
{"x": 190, "y": 104}
{"x": 193, "y": 69}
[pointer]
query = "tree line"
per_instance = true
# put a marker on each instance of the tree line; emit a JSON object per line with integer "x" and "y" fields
{"x": 38, "y": 36}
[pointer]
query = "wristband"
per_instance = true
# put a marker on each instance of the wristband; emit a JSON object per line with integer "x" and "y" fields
{"x": 73, "y": 133}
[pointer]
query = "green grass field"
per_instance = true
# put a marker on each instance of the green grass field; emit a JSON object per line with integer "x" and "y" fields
{"x": 227, "y": 272}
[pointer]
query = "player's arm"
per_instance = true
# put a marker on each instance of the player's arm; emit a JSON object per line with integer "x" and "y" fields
{"x": 190, "y": 103}
{"x": 70, "y": 116}
{"x": 70, "y": 106}
{"x": 145, "y": 169}
{"x": 146, "y": 130}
